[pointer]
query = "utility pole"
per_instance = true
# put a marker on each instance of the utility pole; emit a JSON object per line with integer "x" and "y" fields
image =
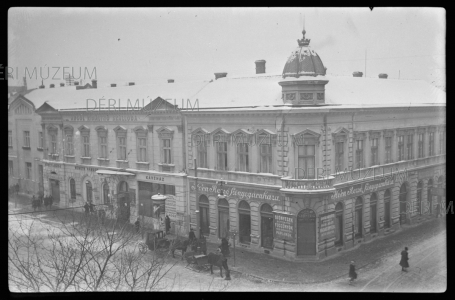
{"x": 198, "y": 221}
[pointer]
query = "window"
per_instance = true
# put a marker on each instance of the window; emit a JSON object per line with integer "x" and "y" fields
{"x": 358, "y": 224}
{"x": 265, "y": 153}
{"x": 72, "y": 189}
{"x": 10, "y": 138}
{"x": 267, "y": 226}
{"x": 167, "y": 151}
{"x": 142, "y": 149}
{"x": 27, "y": 139}
{"x": 88, "y": 190}
{"x": 102, "y": 142}
{"x": 441, "y": 142}
{"x": 306, "y": 161}
{"x": 409, "y": 146}
{"x": 204, "y": 209}
{"x": 202, "y": 153}
{"x": 431, "y": 144}
{"x": 242, "y": 157}
{"x": 121, "y": 140}
{"x": 388, "y": 150}
{"x": 28, "y": 170}
{"x": 421, "y": 135}
{"x": 374, "y": 152}
{"x": 106, "y": 194}
{"x": 223, "y": 218}
{"x": 69, "y": 145}
{"x": 339, "y": 156}
{"x": 401, "y": 147}
{"x": 53, "y": 143}
{"x": 10, "y": 168}
{"x": 387, "y": 221}
{"x": 359, "y": 154}
{"x": 244, "y": 222}
{"x": 40, "y": 140}
{"x": 339, "y": 224}
{"x": 86, "y": 146}
{"x": 221, "y": 156}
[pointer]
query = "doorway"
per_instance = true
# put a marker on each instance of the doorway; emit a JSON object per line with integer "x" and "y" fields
{"x": 55, "y": 190}
{"x": 306, "y": 232}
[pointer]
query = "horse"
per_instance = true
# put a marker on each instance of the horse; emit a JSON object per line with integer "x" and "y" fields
{"x": 179, "y": 245}
{"x": 218, "y": 260}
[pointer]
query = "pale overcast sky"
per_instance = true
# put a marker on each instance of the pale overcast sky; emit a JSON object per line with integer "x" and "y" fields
{"x": 155, "y": 44}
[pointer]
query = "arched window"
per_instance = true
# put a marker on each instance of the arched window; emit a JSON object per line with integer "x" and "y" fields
{"x": 339, "y": 224}
{"x": 204, "y": 214}
{"x": 266, "y": 226}
{"x": 88, "y": 190}
{"x": 387, "y": 221}
{"x": 403, "y": 202}
{"x": 419, "y": 198}
{"x": 373, "y": 212}
{"x": 106, "y": 198}
{"x": 358, "y": 222}
{"x": 72, "y": 189}
{"x": 244, "y": 222}
{"x": 223, "y": 218}
{"x": 123, "y": 187}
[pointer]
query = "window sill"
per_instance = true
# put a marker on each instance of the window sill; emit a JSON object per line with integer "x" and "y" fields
{"x": 121, "y": 161}
{"x": 103, "y": 159}
{"x": 164, "y": 164}
{"x": 26, "y": 148}
{"x": 70, "y": 156}
{"x": 85, "y": 157}
{"x": 143, "y": 163}
{"x": 39, "y": 149}
{"x": 53, "y": 155}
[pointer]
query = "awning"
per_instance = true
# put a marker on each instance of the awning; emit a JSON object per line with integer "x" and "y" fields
{"x": 109, "y": 172}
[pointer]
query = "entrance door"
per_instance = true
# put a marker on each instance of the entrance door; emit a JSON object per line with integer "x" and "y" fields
{"x": 205, "y": 220}
{"x": 387, "y": 214}
{"x": 306, "y": 232}
{"x": 55, "y": 190}
{"x": 373, "y": 218}
{"x": 339, "y": 229}
{"x": 123, "y": 207}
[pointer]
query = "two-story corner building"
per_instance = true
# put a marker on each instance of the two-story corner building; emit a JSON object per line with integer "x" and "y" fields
{"x": 25, "y": 145}
{"x": 117, "y": 146}
{"x": 302, "y": 165}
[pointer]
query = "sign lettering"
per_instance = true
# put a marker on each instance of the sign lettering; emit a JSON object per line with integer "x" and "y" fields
{"x": 284, "y": 226}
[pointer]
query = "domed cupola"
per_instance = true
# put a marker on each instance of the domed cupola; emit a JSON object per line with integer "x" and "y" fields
{"x": 303, "y": 76}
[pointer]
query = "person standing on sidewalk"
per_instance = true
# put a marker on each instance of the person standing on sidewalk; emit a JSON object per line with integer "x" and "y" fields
{"x": 404, "y": 260}
{"x": 352, "y": 273}
{"x": 86, "y": 208}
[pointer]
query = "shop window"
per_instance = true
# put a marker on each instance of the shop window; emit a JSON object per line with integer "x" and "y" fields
{"x": 306, "y": 161}
{"x": 373, "y": 213}
{"x": 73, "y": 189}
{"x": 387, "y": 217}
{"x": 223, "y": 218}
{"x": 267, "y": 226}
{"x": 221, "y": 156}
{"x": 339, "y": 224}
{"x": 388, "y": 150}
{"x": 358, "y": 220}
{"x": 28, "y": 170}
{"x": 244, "y": 222}
{"x": 242, "y": 157}
{"x": 421, "y": 140}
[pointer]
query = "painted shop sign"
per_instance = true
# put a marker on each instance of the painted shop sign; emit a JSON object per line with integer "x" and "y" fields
{"x": 85, "y": 169}
{"x": 103, "y": 118}
{"x": 240, "y": 193}
{"x": 284, "y": 226}
{"x": 362, "y": 188}
{"x": 326, "y": 226}
{"x": 151, "y": 177}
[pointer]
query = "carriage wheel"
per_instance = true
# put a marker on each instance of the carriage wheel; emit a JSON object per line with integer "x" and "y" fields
{"x": 143, "y": 248}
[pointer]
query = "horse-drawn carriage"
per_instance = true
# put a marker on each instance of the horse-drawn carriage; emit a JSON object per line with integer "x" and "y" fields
{"x": 156, "y": 241}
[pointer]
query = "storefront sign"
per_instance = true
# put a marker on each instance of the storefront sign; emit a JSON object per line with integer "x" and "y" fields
{"x": 284, "y": 226}
{"x": 240, "y": 193}
{"x": 85, "y": 169}
{"x": 89, "y": 117}
{"x": 152, "y": 177}
{"x": 326, "y": 226}
{"x": 363, "y": 188}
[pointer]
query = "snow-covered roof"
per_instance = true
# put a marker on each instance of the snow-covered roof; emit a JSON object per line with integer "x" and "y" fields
{"x": 259, "y": 91}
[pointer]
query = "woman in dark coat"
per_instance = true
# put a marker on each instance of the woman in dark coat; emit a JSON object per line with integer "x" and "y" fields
{"x": 167, "y": 222}
{"x": 224, "y": 247}
{"x": 352, "y": 273}
{"x": 191, "y": 235}
{"x": 404, "y": 260}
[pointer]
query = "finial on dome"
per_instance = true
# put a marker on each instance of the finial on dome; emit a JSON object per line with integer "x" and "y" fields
{"x": 303, "y": 41}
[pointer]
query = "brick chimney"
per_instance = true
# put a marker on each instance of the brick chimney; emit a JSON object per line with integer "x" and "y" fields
{"x": 357, "y": 74}
{"x": 62, "y": 84}
{"x": 383, "y": 76}
{"x": 51, "y": 86}
{"x": 220, "y": 75}
{"x": 260, "y": 66}
{"x": 170, "y": 81}
{"x": 113, "y": 85}
{"x": 94, "y": 83}
{"x": 131, "y": 83}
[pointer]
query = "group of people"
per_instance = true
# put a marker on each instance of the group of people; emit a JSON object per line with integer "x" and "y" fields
{"x": 37, "y": 202}
{"x": 403, "y": 263}
{"x": 89, "y": 208}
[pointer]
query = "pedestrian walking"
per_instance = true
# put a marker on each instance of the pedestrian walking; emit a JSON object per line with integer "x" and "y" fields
{"x": 86, "y": 208}
{"x": 224, "y": 247}
{"x": 137, "y": 225}
{"x": 404, "y": 260}
{"x": 167, "y": 222}
{"x": 191, "y": 236}
{"x": 352, "y": 273}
